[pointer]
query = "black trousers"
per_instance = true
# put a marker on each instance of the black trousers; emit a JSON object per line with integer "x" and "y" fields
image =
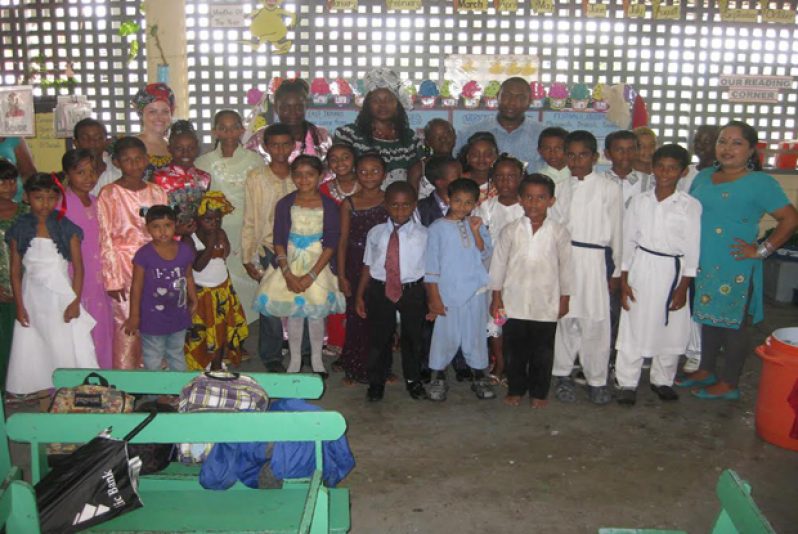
{"x": 530, "y": 347}
{"x": 412, "y": 308}
{"x": 735, "y": 343}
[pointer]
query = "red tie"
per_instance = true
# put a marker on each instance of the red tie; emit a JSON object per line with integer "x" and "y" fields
{"x": 393, "y": 278}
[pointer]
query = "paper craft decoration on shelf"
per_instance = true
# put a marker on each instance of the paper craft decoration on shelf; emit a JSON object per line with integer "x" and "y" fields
{"x": 342, "y": 92}
{"x": 428, "y": 94}
{"x": 16, "y": 111}
{"x": 268, "y": 25}
{"x": 490, "y": 96}
{"x": 599, "y": 103}
{"x": 538, "y": 95}
{"x": 664, "y": 11}
{"x": 320, "y": 92}
{"x": 558, "y": 95}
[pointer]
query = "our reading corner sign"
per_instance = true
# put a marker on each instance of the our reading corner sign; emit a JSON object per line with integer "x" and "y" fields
{"x": 757, "y": 89}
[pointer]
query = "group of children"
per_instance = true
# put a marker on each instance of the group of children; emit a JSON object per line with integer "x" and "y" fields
{"x": 135, "y": 276}
{"x": 492, "y": 262}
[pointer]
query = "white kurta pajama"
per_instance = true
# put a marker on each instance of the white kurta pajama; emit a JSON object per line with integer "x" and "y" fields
{"x": 594, "y": 217}
{"x": 670, "y": 227}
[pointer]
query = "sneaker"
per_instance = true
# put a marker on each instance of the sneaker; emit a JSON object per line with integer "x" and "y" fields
{"x": 375, "y": 392}
{"x": 665, "y": 393}
{"x": 483, "y": 389}
{"x": 565, "y": 389}
{"x": 692, "y": 364}
{"x": 626, "y": 397}
{"x": 416, "y": 390}
{"x": 436, "y": 391}
{"x": 600, "y": 394}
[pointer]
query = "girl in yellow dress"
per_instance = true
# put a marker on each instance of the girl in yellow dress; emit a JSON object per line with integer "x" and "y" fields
{"x": 219, "y": 326}
{"x": 301, "y": 285}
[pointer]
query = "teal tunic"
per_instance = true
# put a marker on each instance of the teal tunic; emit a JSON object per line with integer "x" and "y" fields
{"x": 731, "y": 210}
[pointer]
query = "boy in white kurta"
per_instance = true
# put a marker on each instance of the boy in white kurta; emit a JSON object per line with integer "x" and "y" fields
{"x": 531, "y": 244}
{"x": 660, "y": 258}
{"x": 594, "y": 222}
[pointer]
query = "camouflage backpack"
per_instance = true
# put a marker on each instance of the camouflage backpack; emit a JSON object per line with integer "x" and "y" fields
{"x": 93, "y": 396}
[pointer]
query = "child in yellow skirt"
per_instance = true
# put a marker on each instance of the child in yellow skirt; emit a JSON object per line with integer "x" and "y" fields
{"x": 219, "y": 324}
{"x": 302, "y": 286}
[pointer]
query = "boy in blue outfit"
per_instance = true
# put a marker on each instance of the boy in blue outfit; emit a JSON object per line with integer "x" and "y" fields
{"x": 392, "y": 281}
{"x": 457, "y": 296}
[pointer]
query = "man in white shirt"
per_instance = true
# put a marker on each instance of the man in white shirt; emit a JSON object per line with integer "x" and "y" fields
{"x": 515, "y": 133}
{"x": 392, "y": 281}
{"x": 91, "y": 135}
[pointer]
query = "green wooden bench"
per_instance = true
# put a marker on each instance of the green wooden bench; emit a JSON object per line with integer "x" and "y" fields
{"x": 143, "y": 382}
{"x": 181, "y": 504}
{"x": 739, "y": 514}
{"x": 140, "y": 382}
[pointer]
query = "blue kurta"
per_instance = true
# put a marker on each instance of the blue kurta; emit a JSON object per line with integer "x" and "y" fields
{"x": 454, "y": 262}
{"x": 731, "y": 210}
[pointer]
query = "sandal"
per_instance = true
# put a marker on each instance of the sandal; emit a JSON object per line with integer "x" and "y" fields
{"x": 498, "y": 381}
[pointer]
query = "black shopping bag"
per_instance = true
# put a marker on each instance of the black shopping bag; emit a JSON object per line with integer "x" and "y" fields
{"x": 92, "y": 485}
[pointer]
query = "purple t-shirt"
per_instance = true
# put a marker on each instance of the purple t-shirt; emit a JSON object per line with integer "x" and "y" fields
{"x": 164, "y": 296}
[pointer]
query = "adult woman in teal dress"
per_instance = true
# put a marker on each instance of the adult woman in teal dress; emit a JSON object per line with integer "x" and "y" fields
{"x": 734, "y": 195}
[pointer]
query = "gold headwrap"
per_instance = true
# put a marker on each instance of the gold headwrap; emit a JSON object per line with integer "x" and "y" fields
{"x": 214, "y": 200}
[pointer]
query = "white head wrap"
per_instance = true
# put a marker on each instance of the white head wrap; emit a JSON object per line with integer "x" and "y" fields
{"x": 385, "y": 78}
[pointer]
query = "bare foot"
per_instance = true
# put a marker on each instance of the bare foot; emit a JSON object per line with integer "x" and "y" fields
{"x": 538, "y": 403}
{"x": 512, "y": 400}
{"x": 348, "y": 382}
{"x": 392, "y": 379}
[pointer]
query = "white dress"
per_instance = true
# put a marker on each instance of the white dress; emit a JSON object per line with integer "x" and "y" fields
{"x": 48, "y": 343}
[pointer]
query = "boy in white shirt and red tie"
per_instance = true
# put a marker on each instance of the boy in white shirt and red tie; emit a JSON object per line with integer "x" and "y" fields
{"x": 393, "y": 280}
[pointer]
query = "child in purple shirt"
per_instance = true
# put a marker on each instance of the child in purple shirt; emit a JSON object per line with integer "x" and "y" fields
{"x": 162, "y": 296}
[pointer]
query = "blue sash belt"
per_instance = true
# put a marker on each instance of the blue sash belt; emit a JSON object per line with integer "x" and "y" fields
{"x": 607, "y": 255}
{"x": 678, "y": 264}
